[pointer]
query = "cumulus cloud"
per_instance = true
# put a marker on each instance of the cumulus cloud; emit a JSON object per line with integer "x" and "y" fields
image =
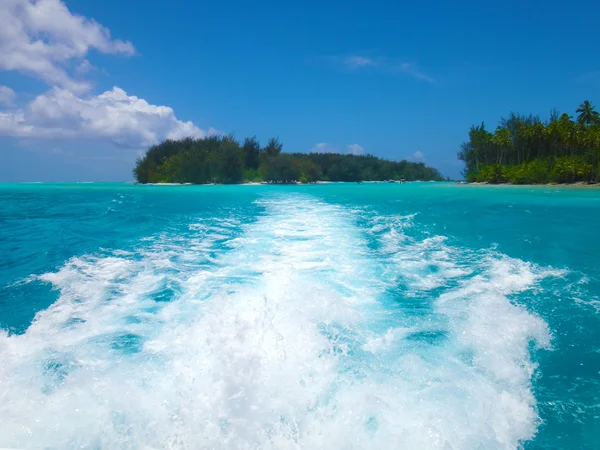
{"x": 7, "y": 95}
{"x": 84, "y": 67}
{"x": 355, "y": 149}
{"x": 112, "y": 116}
{"x": 324, "y": 147}
{"x": 42, "y": 38}
{"x": 419, "y": 156}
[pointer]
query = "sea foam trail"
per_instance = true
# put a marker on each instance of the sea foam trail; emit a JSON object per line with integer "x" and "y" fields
{"x": 284, "y": 333}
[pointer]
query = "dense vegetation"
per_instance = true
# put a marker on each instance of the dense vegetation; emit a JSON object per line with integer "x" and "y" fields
{"x": 221, "y": 159}
{"x": 525, "y": 150}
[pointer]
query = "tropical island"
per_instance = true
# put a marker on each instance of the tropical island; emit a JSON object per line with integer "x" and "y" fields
{"x": 526, "y": 150}
{"x": 222, "y": 159}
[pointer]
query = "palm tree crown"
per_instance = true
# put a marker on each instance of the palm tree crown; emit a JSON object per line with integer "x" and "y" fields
{"x": 587, "y": 113}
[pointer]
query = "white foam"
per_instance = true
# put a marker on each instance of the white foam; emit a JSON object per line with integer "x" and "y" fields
{"x": 285, "y": 339}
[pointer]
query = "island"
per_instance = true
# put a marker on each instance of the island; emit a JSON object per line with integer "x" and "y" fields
{"x": 526, "y": 150}
{"x": 222, "y": 159}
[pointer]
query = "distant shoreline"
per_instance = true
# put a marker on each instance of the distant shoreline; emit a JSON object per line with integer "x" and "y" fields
{"x": 264, "y": 183}
{"x": 222, "y": 159}
{"x": 562, "y": 185}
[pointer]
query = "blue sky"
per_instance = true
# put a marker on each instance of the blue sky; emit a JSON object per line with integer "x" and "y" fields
{"x": 398, "y": 80}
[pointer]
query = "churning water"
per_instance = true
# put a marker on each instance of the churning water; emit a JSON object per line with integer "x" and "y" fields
{"x": 421, "y": 316}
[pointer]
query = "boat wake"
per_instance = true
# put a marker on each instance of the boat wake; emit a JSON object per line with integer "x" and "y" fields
{"x": 312, "y": 326}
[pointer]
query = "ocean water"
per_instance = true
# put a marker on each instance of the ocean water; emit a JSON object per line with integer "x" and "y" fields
{"x": 340, "y": 316}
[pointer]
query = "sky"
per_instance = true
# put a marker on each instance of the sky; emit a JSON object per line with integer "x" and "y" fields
{"x": 87, "y": 86}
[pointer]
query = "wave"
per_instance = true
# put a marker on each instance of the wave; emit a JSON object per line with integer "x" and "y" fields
{"x": 312, "y": 326}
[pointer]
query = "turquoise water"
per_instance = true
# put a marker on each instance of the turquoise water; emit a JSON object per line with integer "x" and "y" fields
{"x": 425, "y": 315}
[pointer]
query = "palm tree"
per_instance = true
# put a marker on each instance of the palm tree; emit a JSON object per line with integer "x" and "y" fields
{"x": 587, "y": 113}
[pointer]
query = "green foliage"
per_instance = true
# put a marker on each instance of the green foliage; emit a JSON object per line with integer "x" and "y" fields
{"x": 310, "y": 171}
{"x": 230, "y": 162}
{"x": 212, "y": 159}
{"x": 338, "y": 167}
{"x": 534, "y": 172}
{"x": 523, "y": 150}
{"x": 222, "y": 159}
{"x": 571, "y": 169}
{"x": 283, "y": 168}
{"x": 273, "y": 148}
{"x": 587, "y": 113}
{"x": 252, "y": 175}
{"x": 251, "y": 150}
{"x": 492, "y": 173}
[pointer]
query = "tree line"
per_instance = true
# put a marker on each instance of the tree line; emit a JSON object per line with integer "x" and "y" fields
{"x": 222, "y": 159}
{"x": 526, "y": 150}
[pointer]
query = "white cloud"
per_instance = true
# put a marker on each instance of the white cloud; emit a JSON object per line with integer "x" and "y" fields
{"x": 355, "y": 149}
{"x": 84, "y": 67}
{"x": 324, "y": 147}
{"x": 356, "y": 61}
{"x": 414, "y": 71}
{"x": 418, "y": 156}
{"x": 112, "y": 116}
{"x": 384, "y": 64}
{"x": 42, "y": 38}
{"x": 7, "y": 95}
